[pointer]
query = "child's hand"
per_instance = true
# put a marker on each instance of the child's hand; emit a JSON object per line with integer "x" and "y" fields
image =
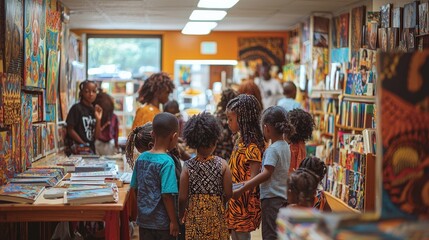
{"x": 98, "y": 112}
{"x": 174, "y": 228}
{"x": 237, "y": 193}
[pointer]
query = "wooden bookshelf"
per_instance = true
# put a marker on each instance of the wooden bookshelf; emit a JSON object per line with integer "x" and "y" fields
{"x": 357, "y": 98}
{"x": 349, "y": 128}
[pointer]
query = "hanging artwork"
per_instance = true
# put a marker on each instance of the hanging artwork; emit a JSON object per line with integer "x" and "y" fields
{"x": 393, "y": 39}
{"x": 335, "y": 32}
{"x": 371, "y": 36}
{"x": 410, "y": 14}
{"x": 358, "y": 20}
{"x": 397, "y": 17}
{"x": 320, "y": 64}
{"x": 5, "y": 157}
{"x": 14, "y": 47}
{"x": 373, "y": 17}
{"x": 53, "y": 24}
{"x": 185, "y": 75}
{"x": 35, "y": 43}
{"x": 423, "y": 18}
{"x": 268, "y": 49}
{"x": 403, "y": 91}
{"x": 382, "y": 39}
{"x": 11, "y": 98}
{"x": 26, "y": 130}
{"x": 344, "y": 30}
{"x": 51, "y": 85}
{"x": 386, "y": 15}
{"x": 16, "y": 150}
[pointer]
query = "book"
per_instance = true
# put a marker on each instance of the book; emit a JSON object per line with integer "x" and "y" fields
{"x": 58, "y": 192}
{"x": 94, "y": 174}
{"x": 20, "y": 193}
{"x": 93, "y": 196}
{"x": 35, "y": 181}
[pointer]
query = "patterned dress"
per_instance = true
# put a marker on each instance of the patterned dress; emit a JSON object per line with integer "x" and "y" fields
{"x": 244, "y": 214}
{"x": 225, "y": 144}
{"x": 297, "y": 154}
{"x": 205, "y": 217}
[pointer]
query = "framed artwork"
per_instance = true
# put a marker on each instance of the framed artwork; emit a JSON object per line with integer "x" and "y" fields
{"x": 373, "y": 17}
{"x": 358, "y": 20}
{"x": 398, "y": 92}
{"x": 386, "y": 14}
{"x": 397, "y": 15}
{"x": 320, "y": 40}
{"x": 14, "y": 40}
{"x": 35, "y": 43}
{"x": 382, "y": 39}
{"x": 344, "y": 30}
{"x": 392, "y": 35}
{"x": 321, "y": 24}
{"x": 411, "y": 46}
{"x": 50, "y": 138}
{"x": 410, "y": 14}
{"x": 403, "y": 41}
{"x": 371, "y": 40}
{"x": 61, "y": 136}
{"x": 10, "y": 98}
{"x": 335, "y": 32}
{"x": 423, "y": 18}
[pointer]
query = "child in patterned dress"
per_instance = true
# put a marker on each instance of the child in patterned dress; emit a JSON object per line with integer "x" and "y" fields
{"x": 205, "y": 182}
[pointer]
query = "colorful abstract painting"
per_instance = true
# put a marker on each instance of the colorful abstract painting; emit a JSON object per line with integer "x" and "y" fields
{"x": 35, "y": 43}
{"x": 358, "y": 21}
{"x": 16, "y": 148}
{"x": 5, "y": 158}
{"x": 53, "y": 24}
{"x": 403, "y": 91}
{"x": 14, "y": 45}
{"x": 50, "y": 138}
{"x": 11, "y": 98}
{"x": 268, "y": 49}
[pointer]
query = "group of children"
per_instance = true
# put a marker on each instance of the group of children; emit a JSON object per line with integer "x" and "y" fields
{"x": 211, "y": 197}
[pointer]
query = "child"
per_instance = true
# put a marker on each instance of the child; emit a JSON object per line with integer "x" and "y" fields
{"x": 303, "y": 123}
{"x": 107, "y": 141}
{"x": 275, "y": 167}
{"x": 155, "y": 91}
{"x": 84, "y": 120}
{"x": 154, "y": 180}
{"x": 225, "y": 144}
{"x": 301, "y": 188}
{"x": 318, "y": 167}
{"x": 173, "y": 108}
{"x": 205, "y": 182}
{"x": 141, "y": 139}
{"x": 288, "y": 102}
{"x": 244, "y": 213}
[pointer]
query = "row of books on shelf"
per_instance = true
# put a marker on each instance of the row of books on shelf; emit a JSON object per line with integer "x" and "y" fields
{"x": 324, "y": 105}
{"x": 356, "y": 115}
{"x": 347, "y": 185}
{"x": 357, "y": 143}
{"x": 325, "y": 123}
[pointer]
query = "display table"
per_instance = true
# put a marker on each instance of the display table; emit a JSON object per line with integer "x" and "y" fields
{"x": 115, "y": 215}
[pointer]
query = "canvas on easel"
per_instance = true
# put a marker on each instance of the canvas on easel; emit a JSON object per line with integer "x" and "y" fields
{"x": 403, "y": 97}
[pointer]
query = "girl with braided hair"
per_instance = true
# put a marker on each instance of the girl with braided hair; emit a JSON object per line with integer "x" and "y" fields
{"x": 275, "y": 167}
{"x": 301, "y": 188}
{"x": 244, "y": 213}
{"x": 154, "y": 91}
{"x": 318, "y": 167}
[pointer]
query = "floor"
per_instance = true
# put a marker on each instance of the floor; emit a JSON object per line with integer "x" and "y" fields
{"x": 256, "y": 235}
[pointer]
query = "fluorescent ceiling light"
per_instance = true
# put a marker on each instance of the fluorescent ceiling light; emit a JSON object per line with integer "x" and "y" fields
{"x": 207, "y": 15}
{"x": 198, "y": 28}
{"x": 217, "y": 3}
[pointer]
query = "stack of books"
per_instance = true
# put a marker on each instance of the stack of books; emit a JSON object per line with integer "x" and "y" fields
{"x": 20, "y": 193}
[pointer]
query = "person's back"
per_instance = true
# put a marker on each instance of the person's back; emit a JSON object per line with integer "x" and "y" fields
{"x": 107, "y": 141}
{"x": 271, "y": 88}
{"x": 154, "y": 179}
{"x": 288, "y": 102}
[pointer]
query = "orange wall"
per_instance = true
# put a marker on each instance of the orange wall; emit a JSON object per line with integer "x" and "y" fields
{"x": 178, "y": 46}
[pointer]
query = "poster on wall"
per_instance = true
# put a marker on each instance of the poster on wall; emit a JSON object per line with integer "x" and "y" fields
{"x": 403, "y": 91}
{"x": 14, "y": 46}
{"x": 185, "y": 75}
{"x": 35, "y": 43}
{"x": 11, "y": 98}
{"x": 269, "y": 50}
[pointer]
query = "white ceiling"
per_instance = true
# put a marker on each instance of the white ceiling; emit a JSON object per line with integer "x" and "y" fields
{"x": 246, "y": 15}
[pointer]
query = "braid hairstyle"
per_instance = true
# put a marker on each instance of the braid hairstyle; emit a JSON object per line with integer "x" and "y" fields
{"x": 83, "y": 84}
{"x": 303, "y": 183}
{"x": 303, "y": 123}
{"x": 227, "y": 95}
{"x": 106, "y": 103}
{"x": 276, "y": 117}
{"x": 315, "y": 165}
{"x": 152, "y": 85}
{"x": 248, "y": 112}
{"x": 202, "y": 130}
{"x": 140, "y": 138}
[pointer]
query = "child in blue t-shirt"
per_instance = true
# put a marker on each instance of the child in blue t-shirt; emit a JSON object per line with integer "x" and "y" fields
{"x": 154, "y": 180}
{"x": 275, "y": 167}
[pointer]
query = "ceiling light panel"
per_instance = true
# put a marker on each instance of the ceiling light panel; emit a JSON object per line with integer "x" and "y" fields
{"x": 217, "y": 3}
{"x": 198, "y": 28}
{"x": 207, "y": 15}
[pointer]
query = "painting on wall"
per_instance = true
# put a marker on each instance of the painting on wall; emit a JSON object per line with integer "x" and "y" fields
{"x": 269, "y": 50}
{"x": 344, "y": 30}
{"x": 50, "y": 138}
{"x": 14, "y": 45}
{"x": 11, "y": 98}
{"x": 35, "y": 43}
{"x": 371, "y": 36}
{"x": 382, "y": 39}
{"x": 26, "y": 130}
{"x": 373, "y": 17}
{"x": 358, "y": 20}
{"x": 404, "y": 88}
{"x": 393, "y": 38}
{"x": 335, "y": 32}
{"x": 386, "y": 15}
{"x": 53, "y": 22}
{"x": 423, "y": 18}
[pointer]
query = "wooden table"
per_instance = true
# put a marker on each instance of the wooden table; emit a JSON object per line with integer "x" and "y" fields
{"x": 115, "y": 215}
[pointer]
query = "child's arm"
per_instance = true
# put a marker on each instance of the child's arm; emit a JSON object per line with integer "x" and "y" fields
{"x": 183, "y": 191}
{"x": 227, "y": 181}
{"x": 73, "y": 135}
{"x": 260, "y": 178}
{"x": 168, "y": 201}
{"x": 98, "y": 114}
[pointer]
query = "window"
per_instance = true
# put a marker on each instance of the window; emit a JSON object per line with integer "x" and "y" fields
{"x": 123, "y": 57}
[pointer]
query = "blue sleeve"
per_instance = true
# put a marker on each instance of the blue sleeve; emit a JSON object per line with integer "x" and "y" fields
{"x": 270, "y": 157}
{"x": 168, "y": 178}
{"x": 133, "y": 183}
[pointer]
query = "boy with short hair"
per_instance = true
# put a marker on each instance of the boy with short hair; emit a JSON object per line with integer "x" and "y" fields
{"x": 154, "y": 179}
